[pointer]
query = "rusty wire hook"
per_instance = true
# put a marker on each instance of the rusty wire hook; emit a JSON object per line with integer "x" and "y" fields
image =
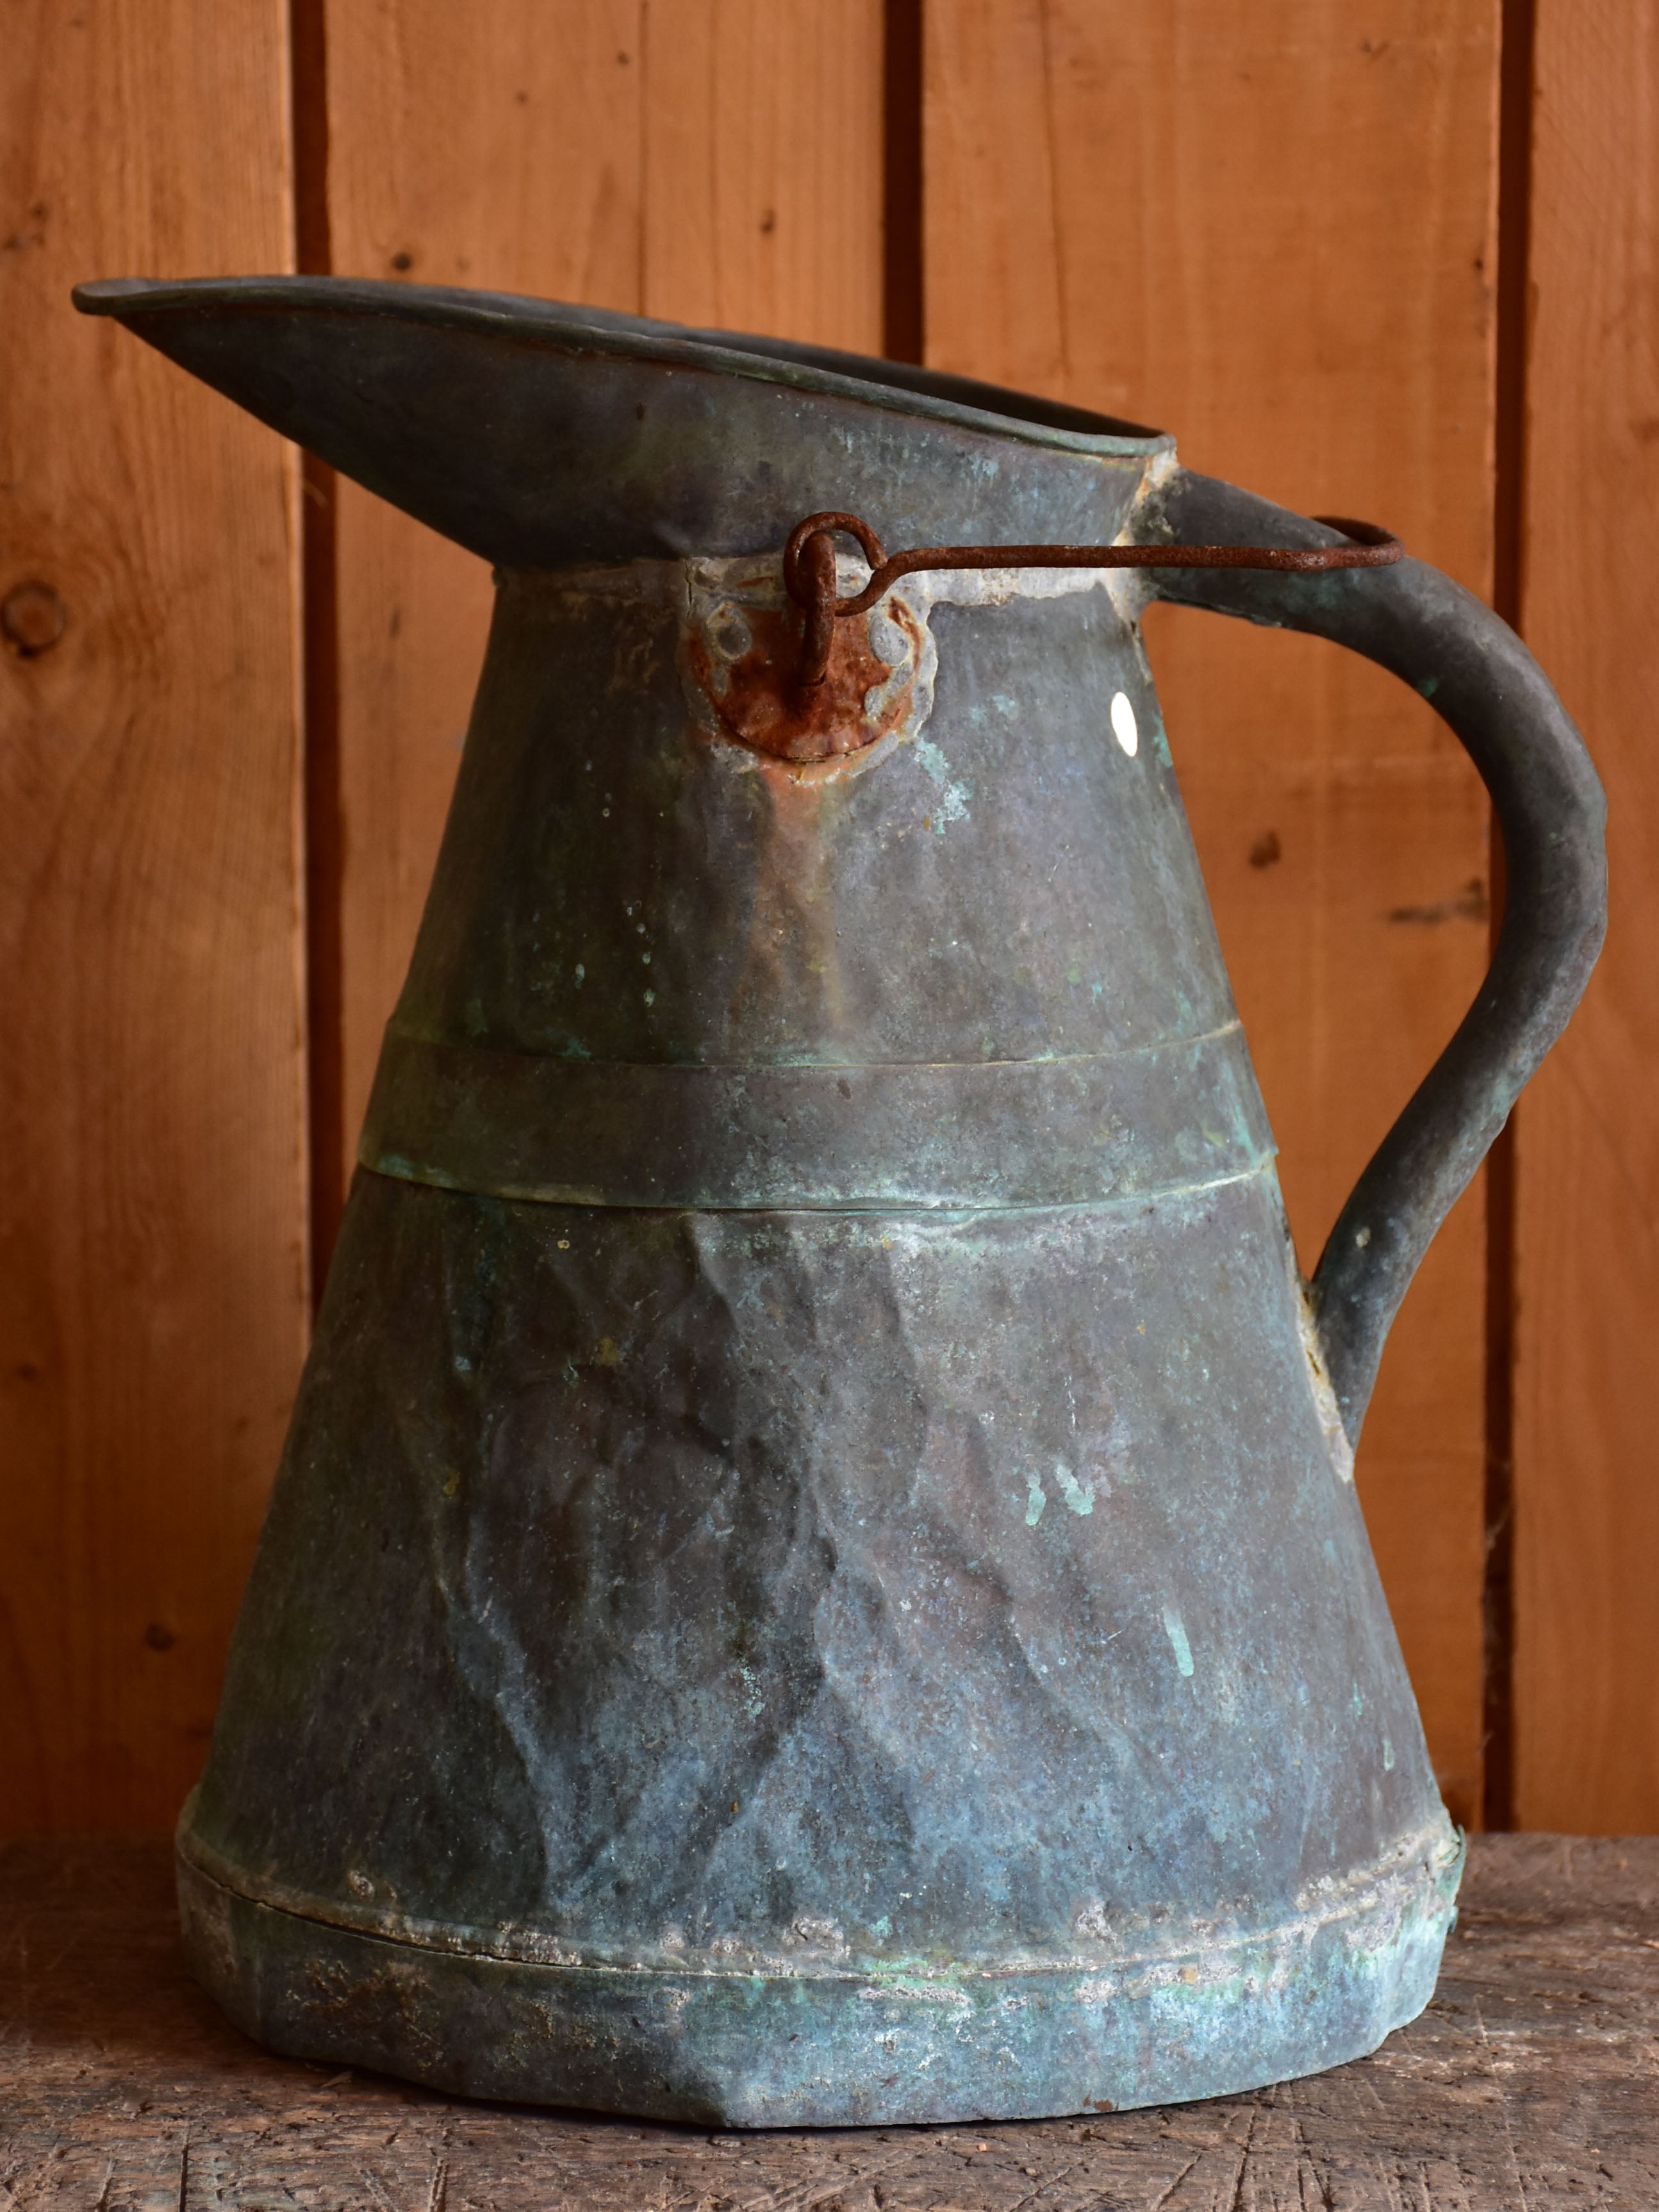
{"x": 808, "y": 567}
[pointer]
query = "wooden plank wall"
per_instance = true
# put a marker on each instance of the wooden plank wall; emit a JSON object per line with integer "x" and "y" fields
{"x": 1587, "y": 1147}
{"x": 1275, "y": 230}
{"x": 152, "y": 1224}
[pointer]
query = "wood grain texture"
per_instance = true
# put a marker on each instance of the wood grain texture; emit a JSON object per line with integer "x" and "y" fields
{"x": 1272, "y": 230}
{"x": 762, "y": 167}
{"x": 653, "y": 156}
{"x": 1529, "y": 2081}
{"x": 1587, "y": 1147}
{"x": 152, "y": 1223}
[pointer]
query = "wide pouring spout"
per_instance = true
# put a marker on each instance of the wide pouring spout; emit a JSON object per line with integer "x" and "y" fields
{"x": 542, "y": 435}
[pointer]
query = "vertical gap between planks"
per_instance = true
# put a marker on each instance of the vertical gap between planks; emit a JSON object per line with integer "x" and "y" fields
{"x": 902, "y": 180}
{"x": 320, "y": 663}
{"x": 1509, "y": 524}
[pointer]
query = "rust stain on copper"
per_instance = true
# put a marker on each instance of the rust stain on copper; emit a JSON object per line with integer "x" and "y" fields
{"x": 791, "y": 945}
{"x": 761, "y": 702}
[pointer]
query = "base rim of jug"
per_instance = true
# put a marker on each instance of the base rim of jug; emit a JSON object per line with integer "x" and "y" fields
{"x": 758, "y": 2049}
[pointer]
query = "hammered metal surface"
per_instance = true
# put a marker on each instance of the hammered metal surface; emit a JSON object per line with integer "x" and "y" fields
{"x": 798, "y": 1616}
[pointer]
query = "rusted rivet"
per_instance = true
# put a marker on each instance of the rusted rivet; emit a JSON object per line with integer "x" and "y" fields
{"x": 33, "y": 617}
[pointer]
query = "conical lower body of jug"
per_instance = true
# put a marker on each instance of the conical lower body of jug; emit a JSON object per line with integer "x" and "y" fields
{"x": 870, "y": 1649}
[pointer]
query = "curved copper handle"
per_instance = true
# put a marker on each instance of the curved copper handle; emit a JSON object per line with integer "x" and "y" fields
{"x": 809, "y": 566}
{"x": 1481, "y": 680}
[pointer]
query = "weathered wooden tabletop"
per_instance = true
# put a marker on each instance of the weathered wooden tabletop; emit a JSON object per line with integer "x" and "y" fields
{"x": 1533, "y": 2080}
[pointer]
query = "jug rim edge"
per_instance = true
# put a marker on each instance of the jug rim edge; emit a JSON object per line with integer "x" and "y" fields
{"x": 936, "y": 395}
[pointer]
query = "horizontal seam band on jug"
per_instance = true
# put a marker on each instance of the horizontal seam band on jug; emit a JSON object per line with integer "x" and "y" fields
{"x": 1425, "y": 1863}
{"x": 1150, "y": 1122}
